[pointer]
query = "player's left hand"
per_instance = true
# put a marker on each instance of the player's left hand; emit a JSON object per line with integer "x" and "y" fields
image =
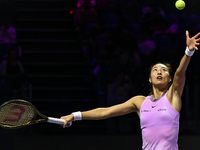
{"x": 192, "y": 42}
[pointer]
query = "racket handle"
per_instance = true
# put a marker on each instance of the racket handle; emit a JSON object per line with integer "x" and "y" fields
{"x": 55, "y": 120}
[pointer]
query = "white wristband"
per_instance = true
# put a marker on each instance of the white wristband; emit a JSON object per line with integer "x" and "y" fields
{"x": 77, "y": 116}
{"x": 188, "y": 52}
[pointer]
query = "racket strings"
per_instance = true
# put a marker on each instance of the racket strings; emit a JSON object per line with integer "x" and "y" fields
{"x": 16, "y": 114}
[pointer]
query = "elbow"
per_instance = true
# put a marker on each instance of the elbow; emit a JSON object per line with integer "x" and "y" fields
{"x": 104, "y": 114}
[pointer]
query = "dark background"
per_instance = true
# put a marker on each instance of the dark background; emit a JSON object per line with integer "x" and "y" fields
{"x": 79, "y": 57}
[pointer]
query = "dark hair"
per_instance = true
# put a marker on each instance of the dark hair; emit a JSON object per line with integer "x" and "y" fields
{"x": 170, "y": 74}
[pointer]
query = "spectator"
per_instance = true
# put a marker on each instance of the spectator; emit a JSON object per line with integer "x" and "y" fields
{"x": 127, "y": 49}
{"x": 7, "y": 33}
{"x": 12, "y": 74}
{"x": 121, "y": 89}
{"x": 7, "y": 37}
{"x": 147, "y": 47}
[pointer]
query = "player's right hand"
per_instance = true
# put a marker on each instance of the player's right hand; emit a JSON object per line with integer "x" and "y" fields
{"x": 68, "y": 120}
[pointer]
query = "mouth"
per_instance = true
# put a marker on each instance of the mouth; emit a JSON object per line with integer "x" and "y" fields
{"x": 159, "y": 77}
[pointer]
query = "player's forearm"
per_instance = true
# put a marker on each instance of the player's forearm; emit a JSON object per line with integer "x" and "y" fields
{"x": 95, "y": 114}
{"x": 183, "y": 65}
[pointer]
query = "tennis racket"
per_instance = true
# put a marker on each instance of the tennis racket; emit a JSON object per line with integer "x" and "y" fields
{"x": 19, "y": 113}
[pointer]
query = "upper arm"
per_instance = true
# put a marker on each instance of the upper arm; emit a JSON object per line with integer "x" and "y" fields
{"x": 178, "y": 83}
{"x": 176, "y": 90}
{"x": 179, "y": 76}
{"x": 132, "y": 105}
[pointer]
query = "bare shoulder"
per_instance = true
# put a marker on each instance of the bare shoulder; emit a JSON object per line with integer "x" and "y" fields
{"x": 137, "y": 101}
{"x": 139, "y": 97}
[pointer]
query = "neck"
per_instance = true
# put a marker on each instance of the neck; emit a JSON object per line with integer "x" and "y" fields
{"x": 157, "y": 92}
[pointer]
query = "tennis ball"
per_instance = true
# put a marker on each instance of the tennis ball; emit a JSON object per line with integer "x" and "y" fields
{"x": 180, "y": 4}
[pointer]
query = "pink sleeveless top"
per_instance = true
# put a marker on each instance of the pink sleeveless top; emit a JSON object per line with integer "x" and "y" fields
{"x": 159, "y": 123}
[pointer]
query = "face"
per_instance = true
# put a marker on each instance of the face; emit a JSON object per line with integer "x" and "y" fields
{"x": 160, "y": 75}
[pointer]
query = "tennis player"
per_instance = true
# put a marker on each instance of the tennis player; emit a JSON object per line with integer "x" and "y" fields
{"x": 158, "y": 112}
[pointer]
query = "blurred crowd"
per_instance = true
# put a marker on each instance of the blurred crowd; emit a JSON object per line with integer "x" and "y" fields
{"x": 122, "y": 39}
{"x": 12, "y": 73}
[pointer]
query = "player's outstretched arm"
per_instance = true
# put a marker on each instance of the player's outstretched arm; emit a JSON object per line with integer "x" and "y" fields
{"x": 177, "y": 86}
{"x": 103, "y": 113}
{"x": 179, "y": 77}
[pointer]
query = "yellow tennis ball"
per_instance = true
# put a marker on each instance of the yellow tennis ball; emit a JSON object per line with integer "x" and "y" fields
{"x": 180, "y": 4}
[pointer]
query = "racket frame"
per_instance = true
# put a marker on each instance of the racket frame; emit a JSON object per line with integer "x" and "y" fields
{"x": 32, "y": 121}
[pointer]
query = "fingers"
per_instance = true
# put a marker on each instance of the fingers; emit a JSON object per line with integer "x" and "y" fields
{"x": 196, "y": 36}
{"x": 187, "y": 34}
{"x": 197, "y": 40}
{"x": 67, "y": 123}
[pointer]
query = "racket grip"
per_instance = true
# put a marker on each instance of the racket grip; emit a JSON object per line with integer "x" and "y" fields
{"x": 55, "y": 120}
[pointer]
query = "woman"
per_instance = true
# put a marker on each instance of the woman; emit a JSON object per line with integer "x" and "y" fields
{"x": 159, "y": 112}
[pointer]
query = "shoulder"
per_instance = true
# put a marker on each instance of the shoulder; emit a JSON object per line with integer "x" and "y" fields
{"x": 138, "y": 100}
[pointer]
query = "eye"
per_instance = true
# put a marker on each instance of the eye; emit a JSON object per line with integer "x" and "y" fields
{"x": 154, "y": 69}
{"x": 164, "y": 69}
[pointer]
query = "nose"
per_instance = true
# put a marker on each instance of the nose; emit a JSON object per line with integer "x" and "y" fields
{"x": 159, "y": 72}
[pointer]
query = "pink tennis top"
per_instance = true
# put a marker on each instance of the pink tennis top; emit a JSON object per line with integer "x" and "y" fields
{"x": 159, "y": 124}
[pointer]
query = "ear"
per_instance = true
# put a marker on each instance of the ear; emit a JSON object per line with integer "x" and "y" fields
{"x": 150, "y": 79}
{"x": 170, "y": 79}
